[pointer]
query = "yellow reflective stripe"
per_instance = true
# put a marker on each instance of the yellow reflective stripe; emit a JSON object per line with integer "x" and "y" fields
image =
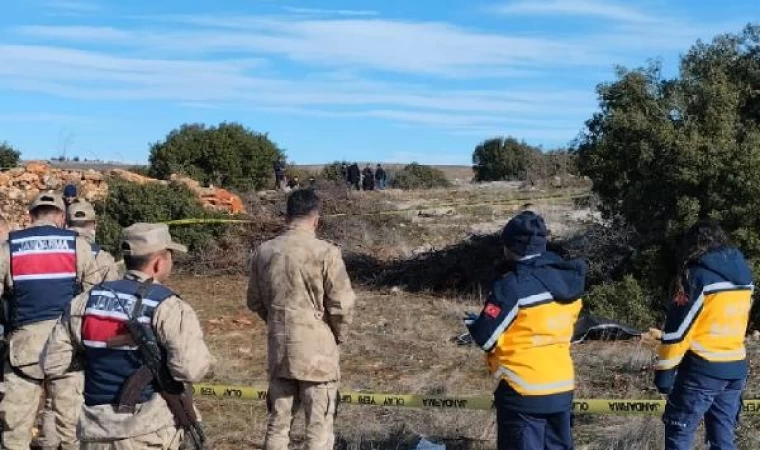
{"x": 558, "y": 386}
{"x": 665, "y": 364}
{"x": 727, "y": 355}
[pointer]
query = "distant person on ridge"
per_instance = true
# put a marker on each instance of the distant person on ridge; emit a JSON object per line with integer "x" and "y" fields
{"x": 279, "y": 175}
{"x": 526, "y": 327}
{"x": 381, "y": 177}
{"x": 300, "y": 288}
{"x": 702, "y": 360}
{"x": 355, "y": 176}
{"x": 369, "y": 179}
{"x": 69, "y": 194}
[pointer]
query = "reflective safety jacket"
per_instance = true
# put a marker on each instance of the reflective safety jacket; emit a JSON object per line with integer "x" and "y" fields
{"x": 526, "y": 327}
{"x": 44, "y": 273}
{"x": 705, "y": 328}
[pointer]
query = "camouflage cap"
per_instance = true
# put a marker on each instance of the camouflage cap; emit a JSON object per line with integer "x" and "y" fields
{"x": 143, "y": 239}
{"x": 49, "y": 198}
{"x": 81, "y": 211}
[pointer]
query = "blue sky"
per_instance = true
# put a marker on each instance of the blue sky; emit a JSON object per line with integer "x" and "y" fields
{"x": 380, "y": 80}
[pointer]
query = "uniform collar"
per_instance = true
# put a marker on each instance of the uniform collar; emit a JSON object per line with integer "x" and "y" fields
{"x": 300, "y": 229}
{"x": 43, "y": 223}
{"x": 136, "y": 275}
{"x": 88, "y": 235}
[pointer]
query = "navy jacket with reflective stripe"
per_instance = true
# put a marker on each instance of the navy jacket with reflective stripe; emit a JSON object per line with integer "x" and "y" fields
{"x": 44, "y": 273}
{"x": 109, "y": 363}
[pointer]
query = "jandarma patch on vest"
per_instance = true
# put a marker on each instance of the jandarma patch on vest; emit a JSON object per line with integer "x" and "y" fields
{"x": 492, "y": 311}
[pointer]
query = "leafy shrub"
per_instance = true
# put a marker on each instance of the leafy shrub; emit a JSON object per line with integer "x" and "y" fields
{"x": 501, "y": 159}
{"x": 228, "y": 155}
{"x": 332, "y": 171}
{"x": 141, "y": 170}
{"x": 128, "y": 203}
{"x": 625, "y": 301}
{"x": 418, "y": 176}
{"x": 9, "y": 156}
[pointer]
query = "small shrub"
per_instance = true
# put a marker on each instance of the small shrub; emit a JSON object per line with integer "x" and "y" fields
{"x": 9, "y": 156}
{"x": 418, "y": 176}
{"x": 128, "y": 203}
{"x": 625, "y": 301}
{"x": 141, "y": 170}
{"x": 332, "y": 171}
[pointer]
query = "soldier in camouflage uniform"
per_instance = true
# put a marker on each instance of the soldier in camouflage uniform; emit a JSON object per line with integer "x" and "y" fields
{"x": 42, "y": 268}
{"x": 300, "y": 288}
{"x": 81, "y": 218}
{"x": 93, "y": 330}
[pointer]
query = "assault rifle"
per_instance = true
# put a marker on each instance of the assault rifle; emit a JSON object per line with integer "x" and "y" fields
{"x": 178, "y": 397}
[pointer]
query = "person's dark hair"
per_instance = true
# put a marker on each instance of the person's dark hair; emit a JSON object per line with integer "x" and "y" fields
{"x": 703, "y": 237}
{"x": 44, "y": 211}
{"x": 137, "y": 262}
{"x": 302, "y": 203}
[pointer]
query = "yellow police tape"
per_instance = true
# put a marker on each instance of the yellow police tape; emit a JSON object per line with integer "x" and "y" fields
{"x": 597, "y": 406}
{"x": 512, "y": 202}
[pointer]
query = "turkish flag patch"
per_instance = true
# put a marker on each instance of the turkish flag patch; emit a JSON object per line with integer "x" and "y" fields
{"x": 492, "y": 310}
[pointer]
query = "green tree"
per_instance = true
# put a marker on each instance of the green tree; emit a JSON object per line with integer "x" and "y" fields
{"x": 228, "y": 155}
{"x": 9, "y": 156}
{"x": 419, "y": 176}
{"x": 501, "y": 159}
{"x": 665, "y": 152}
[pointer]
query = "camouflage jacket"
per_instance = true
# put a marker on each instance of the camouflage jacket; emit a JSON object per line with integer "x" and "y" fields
{"x": 300, "y": 288}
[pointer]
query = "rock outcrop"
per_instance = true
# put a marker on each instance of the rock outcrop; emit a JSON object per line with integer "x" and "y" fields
{"x": 20, "y": 185}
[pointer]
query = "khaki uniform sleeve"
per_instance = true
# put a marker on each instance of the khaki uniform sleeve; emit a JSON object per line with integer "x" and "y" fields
{"x": 88, "y": 272}
{"x": 63, "y": 347}
{"x": 179, "y": 332}
{"x": 339, "y": 295}
{"x": 107, "y": 266}
{"x": 254, "y": 299}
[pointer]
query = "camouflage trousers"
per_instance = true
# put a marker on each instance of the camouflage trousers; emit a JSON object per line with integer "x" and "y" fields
{"x": 21, "y": 404}
{"x": 165, "y": 439}
{"x": 48, "y": 439}
{"x": 318, "y": 401}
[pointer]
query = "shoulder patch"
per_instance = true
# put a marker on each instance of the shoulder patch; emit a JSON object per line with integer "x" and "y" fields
{"x": 492, "y": 310}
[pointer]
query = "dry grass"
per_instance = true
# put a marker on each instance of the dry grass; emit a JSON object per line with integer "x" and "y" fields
{"x": 401, "y": 344}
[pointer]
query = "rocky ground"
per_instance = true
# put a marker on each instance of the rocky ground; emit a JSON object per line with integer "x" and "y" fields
{"x": 19, "y": 186}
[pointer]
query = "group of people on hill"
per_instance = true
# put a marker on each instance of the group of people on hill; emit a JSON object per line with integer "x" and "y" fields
{"x": 367, "y": 179}
{"x": 68, "y": 321}
{"x": 353, "y": 177}
{"x": 525, "y": 327}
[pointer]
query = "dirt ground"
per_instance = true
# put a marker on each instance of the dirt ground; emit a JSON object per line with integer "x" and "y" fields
{"x": 402, "y": 344}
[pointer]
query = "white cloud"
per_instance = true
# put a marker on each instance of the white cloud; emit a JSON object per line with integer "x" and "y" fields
{"x": 420, "y": 48}
{"x": 330, "y": 12}
{"x": 585, "y": 8}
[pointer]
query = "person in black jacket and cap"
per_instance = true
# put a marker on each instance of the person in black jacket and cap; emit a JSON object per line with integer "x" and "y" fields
{"x": 69, "y": 195}
{"x": 526, "y": 327}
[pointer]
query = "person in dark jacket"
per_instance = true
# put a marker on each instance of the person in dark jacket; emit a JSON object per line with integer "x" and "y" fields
{"x": 526, "y": 327}
{"x": 381, "y": 177}
{"x": 702, "y": 362}
{"x": 69, "y": 195}
{"x": 368, "y": 182}
{"x": 354, "y": 176}
{"x": 279, "y": 175}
